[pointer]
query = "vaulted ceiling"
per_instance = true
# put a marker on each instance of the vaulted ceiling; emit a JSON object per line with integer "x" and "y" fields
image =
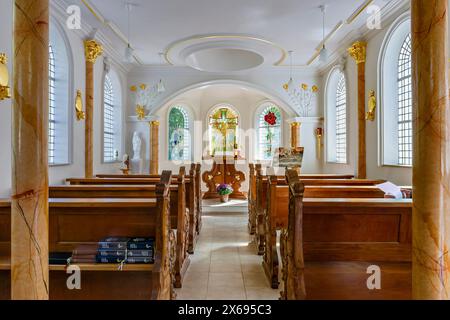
{"x": 173, "y": 26}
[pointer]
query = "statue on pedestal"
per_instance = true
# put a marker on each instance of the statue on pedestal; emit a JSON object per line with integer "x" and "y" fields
{"x": 137, "y": 142}
{"x": 125, "y": 166}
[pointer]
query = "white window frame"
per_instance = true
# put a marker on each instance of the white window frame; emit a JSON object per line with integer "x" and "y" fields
{"x": 388, "y": 104}
{"x": 63, "y": 96}
{"x": 330, "y": 98}
{"x": 118, "y": 115}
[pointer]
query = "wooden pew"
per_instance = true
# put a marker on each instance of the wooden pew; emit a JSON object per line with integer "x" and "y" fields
{"x": 193, "y": 195}
{"x": 198, "y": 185}
{"x": 76, "y": 221}
{"x": 329, "y": 245}
{"x": 253, "y": 168}
{"x": 178, "y": 213}
{"x": 275, "y": 214}
{"x": 262, "y": 185}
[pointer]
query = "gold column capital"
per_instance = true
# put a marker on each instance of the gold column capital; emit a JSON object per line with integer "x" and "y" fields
{"x": 358, "y": 51}
{"x": 4, "y": 78}
{"x": 3, "y": 58}
{"x": 295, "y": 124}
{"x": 92, "y": 50}
{"x": 154, "y": 123}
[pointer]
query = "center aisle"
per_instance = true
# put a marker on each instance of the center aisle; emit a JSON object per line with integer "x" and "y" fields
{"x": 225, "y": 266}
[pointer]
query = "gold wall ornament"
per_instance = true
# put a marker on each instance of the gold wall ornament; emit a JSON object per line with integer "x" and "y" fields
{"x": 4, "y": 78}
{"x": 140, "y": 112}
{"x": 92, "y": 50}
{"x": 370, "y": 115}
{"x": 79, "y": 107}
{"x": 319, "y": 135}
{"x": 358, "y": 51}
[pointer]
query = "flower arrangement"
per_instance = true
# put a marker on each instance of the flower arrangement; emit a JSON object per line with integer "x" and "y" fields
{"x": 270, "y": 118}
{"x": 224, "y": 189}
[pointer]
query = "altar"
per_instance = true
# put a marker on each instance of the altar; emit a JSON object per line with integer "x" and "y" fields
{"x": 224, "y": 171}
{"x": 224, "y": 152}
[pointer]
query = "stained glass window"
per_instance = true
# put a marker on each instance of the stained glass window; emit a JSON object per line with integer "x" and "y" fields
{"x": 179, "y": 135}
{"x": 223, "y": 131}
{"x": 269, "y": 132}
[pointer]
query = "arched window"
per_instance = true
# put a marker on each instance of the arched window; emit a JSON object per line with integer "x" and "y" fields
{"x": 51, "y": 111}
{"x": 341, "y": 121}
{"x": 405, "y": 104}
{"x": 59, "y": 118}
{"x": 108, "y": 121}
{"x": 269, "y": 131}
{"x": 179, "y": 134}
{"x": 223, "y": 124}
{"x": 395, "y": 89}
{"x": 336, "y": 117}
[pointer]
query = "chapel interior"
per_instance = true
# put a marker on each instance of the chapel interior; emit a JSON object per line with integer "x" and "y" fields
{"x": 224, "y": 150}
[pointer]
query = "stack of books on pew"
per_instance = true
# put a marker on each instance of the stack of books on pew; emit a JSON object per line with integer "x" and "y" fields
{"x": 116, "y": 250}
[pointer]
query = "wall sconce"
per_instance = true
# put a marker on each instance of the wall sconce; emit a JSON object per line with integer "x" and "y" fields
{"x": 319, "y": 135}
{"x": 4, "y": 78}
{"x": 79, "y": 106}
{"x": 370, "y": 115}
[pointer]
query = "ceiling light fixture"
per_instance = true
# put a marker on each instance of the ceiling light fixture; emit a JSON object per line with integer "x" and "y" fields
{"x": 323, "y": 57}
{"x": 129, "y": 51}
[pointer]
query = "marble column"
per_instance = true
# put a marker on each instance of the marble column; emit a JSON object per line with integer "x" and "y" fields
{"x": 29, "y": 207}
{"x": 295, "y": 133}
{"x": 431, "y": 169}
{"x": 358, "y": 52}
{"x": 154, "y": 147}
{"x": 92, "y": 51}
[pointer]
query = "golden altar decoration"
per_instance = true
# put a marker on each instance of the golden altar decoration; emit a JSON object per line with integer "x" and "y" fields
{"x": 224, "y": 151}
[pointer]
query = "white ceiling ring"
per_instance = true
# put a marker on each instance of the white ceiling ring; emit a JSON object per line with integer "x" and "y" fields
{"x": 228, "y": 52}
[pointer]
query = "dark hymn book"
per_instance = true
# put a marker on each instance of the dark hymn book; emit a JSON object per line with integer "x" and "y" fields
{"x": 112, "y": 253}
{"x": 114, "y": 243}
{"x": 101, "y": 259}
{"x": 139, "y": 260}
{"x": 140, "y": 253}
{"x": 141, "y": 243}
{"x": 59, "y": 258}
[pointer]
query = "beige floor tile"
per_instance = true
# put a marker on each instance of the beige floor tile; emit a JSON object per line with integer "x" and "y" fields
{"x": 231, "y": 279}
{"x": 255, "y": 279}
{"x": 224, "y": 293}
{"x": 198, "y": 293}
{"x": 262, "y": 293}
{"x": 220, "y": 266}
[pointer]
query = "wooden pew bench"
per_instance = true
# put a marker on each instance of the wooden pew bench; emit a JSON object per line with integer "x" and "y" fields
{"x": 257, "y": 170}
{"x": 193, "y": 194}
{"x": 275, "y": 215}
{"x": 329, "y": 245}
{"x": 262, "y": 189}
{"x": 179, "y": 216}
{"x": 77, "y": 221}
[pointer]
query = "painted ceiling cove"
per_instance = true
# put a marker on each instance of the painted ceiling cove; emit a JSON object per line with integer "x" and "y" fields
{"x": 159, "y": 26}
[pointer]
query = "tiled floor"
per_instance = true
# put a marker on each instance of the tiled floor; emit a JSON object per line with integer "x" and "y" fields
{"x": 225, "y": 266}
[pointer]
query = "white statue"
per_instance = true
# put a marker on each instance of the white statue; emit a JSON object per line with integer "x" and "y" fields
{"x": 137, "y": 142}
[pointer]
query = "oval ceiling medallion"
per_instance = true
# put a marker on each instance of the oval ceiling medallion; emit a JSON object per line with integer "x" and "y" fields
{"x": 225, "y": 53}
{"x": 224, "y": 60}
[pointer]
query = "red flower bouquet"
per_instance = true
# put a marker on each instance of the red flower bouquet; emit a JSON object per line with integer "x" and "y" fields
{"x": 270, "y": 118}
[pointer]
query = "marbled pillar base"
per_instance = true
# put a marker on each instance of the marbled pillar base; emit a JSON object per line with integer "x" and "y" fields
{"x": 29, "y": 216}
{"x": 431, "y": 170}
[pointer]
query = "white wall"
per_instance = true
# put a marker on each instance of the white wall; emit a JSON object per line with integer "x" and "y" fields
{"x": 245, "y": 92}
{"x": 396, "y": 174}
{"x": 57, "y": 174}
{"x": 6, "y": 105}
